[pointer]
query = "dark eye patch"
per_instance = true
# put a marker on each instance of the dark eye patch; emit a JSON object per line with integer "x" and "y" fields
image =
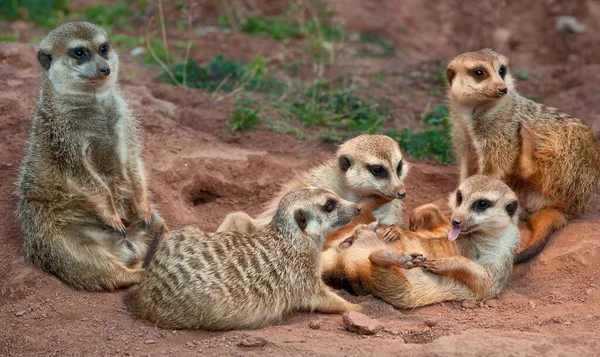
{"x": 479, "y": 73}
{"x": 330, "y": 205}
{"x": 399, "y": 169}
{"x": 378, "y": 170}
{"x": 104, "y": 48}
{"x": 459, "y": 198}
{"x": 79, "y": 53}
{"x": 481, "y": 205}
{"x": 502, "y": 71}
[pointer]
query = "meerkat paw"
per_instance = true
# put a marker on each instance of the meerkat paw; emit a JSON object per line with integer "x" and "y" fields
{"x": 386, "y": 258}
{"x": 117, "y": 225}
{"x": 144, "y": 213}
{"x": 432, "y": 266}
{"x": 391, "y": 233}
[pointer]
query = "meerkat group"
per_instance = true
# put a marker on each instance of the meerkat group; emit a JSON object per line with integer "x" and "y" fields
{"x": 86, "y": 217}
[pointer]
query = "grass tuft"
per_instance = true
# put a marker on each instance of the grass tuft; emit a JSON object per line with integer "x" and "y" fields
{"x": 246, "y": 115}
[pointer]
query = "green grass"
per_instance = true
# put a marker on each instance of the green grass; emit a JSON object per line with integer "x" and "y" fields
{"x": 10, "y": 37}
{"x": 109, "y": 16}
{"x": 226, "y": 75}
{"x": 44, "y": 12}
{"x": 433, "y": 142}
{"x": 246, "y": 115}
{"x": 386, "y": 50}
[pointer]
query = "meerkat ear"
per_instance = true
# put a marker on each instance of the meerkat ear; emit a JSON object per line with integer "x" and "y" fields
{"x": 344, "y": 162}
{"x": 450, "y": 73}
{"x": 511, "y": 208}
{"x": 300, "y": 218}
{"x": 45, "y": 59}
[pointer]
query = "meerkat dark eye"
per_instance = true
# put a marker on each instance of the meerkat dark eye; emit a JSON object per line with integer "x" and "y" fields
{"x": 459, "y": 198}
{"x": 399, "y": 169}
{"x": 78, "y": 53}
{"x": 479, "y": 73}
{"x": 378, "y": 171}
{"x": 502, "y": 71}
{"x": 330, "y": 205}
{"x": 104, "y": 49}
{"x": 481, "y": 205}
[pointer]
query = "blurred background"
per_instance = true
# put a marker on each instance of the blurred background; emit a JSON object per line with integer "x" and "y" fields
{"x": 328, "y": 70}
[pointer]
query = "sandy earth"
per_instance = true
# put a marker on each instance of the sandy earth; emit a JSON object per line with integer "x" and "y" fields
{"x": 199, "y": 172}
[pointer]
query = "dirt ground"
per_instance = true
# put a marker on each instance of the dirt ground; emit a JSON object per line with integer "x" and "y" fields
{"x": 199, "y": 171}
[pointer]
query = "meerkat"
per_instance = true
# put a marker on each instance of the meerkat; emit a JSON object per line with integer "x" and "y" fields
{"x": 469, "y": 256}
{"x": 549, "y": 158}
{"x": 233, "y": 280}
{"x": 364, "y": 166}
{"x": 83, "y": 202}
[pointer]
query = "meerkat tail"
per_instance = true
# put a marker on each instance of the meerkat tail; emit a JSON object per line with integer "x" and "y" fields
{"x": 153, "y": 247}
{"x": 543, "y": 224}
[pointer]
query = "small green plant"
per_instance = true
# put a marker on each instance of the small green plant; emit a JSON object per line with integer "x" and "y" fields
{"x": 10, "y": 37}
{"x": 246, "y": 115}
{"x": 226, "y": 75}
{"x": 433, "y": 142}
{"x": 385, "y": 49}
{"x": 44, "y": 12}
{"x": 109, "y": 16}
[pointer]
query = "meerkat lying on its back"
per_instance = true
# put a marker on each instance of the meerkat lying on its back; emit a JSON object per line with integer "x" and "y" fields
{"x": 231, "y": 280}
{"x": 365, "y": 166}
{"x": 83, "y": 201}
{"x": 472, "y": 257}
{"x": 549, "y": 158}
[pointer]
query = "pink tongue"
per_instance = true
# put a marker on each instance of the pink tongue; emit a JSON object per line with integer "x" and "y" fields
{"x": 453, "y": 233}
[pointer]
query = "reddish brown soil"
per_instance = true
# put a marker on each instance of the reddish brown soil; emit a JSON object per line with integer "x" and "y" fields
{"x": 199, "y": 172}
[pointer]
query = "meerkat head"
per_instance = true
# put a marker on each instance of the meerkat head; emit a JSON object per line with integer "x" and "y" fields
{"x": 482, "y": 204}
{"x": 314, "y": 212}
{"x": 373, "y": 164}
{"x": 481, "y": 77}
{"x": 364, "y": 234}
{"x": 77, "y": 58}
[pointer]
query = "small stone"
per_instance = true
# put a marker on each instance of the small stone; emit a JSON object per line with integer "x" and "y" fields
{"x": 569, "y": 24}
{"x": 361, "y": 324}
{"x": 567, "y": 323}
{"x": 315, "y": 325}
{"x": 253, "y": 341}
{"x": 189, "y": 344}
{"x": 532, "y": 304}
{"x": 149, "y": 342}
{"x": 469, "y": 304}
{"x": 432, "y": 322}
{"x": 492, "y": 303}
{"x": 20, "y": 313}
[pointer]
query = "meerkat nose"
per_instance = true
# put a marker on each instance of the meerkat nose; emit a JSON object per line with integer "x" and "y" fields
{"x": 357, "y": 210}
{"x": 502, "y": 91}
{"x": 456, "y": 223}
{"x": 104, "y": 71}
{"x": 401, "y": 195}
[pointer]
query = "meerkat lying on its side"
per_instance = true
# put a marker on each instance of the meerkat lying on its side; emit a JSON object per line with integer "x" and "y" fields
{"x": 232, "y": 280}
{"x": 365, "y": 166}
{"x": 549, "y": 158}
{"x": 421, "y": 267}
{"x": 83, "y": 201}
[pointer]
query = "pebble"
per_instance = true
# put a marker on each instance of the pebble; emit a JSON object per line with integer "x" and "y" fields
{"x": 20, "y": 313}
{"x": 532, "y": 304}
{"x": 569, "y": 24}
{"x": 492, "y": 303}
{"x": 149, "y": 342}
{"x": 361, "y": 323}
{"x": 253, "y": 341}
{"x": 432, "y": 322}
{"x": 315, "y": 325}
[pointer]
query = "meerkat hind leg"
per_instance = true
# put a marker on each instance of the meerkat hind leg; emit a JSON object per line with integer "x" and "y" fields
{"x": 327, "y": 301}
{"x": 543, "y": 224}
{"x": 386, "y": 258}
{"x": 238, "y": 222}
{"x": 427, "y": 217}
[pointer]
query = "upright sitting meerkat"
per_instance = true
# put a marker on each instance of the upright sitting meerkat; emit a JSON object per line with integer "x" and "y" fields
{"x": 83, "y": 201}
{"x": 364, "y": 166}
{"x": 232, "y": 280}
{"x": 549, "y": 158}
{"x": 472, "y": 257}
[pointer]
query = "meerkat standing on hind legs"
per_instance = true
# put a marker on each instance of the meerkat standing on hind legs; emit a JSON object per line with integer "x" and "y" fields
{"x": 83, "y": 201}
{"x": 367, "y": 167}
{"x": 549, "y": 158}
{"x": 233, "y": 280}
